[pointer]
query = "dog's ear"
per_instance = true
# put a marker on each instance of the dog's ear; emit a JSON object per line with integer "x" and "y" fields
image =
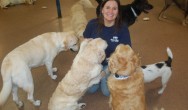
{"x": 101, "y": 55}
{"x": 83, "y": 44}
{"x": 111, "y": 66}
{"x": 136, "y": 60}
{"x": 116, "y": 62}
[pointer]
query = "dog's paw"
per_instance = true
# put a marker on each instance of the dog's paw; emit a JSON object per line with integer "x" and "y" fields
{"x": 20, "y": 104}
{"x": 160, "y": 92}
{"x": 54, "y": 69}
{"x": 82, "y": 105}
{"x": 37, "y": 103}
{"x": 53, "y": 77}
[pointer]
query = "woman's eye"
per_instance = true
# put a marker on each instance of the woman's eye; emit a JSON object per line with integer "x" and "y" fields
{"x": 114, "y": 8}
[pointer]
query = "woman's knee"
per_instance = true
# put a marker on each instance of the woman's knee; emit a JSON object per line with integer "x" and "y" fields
{"x": 104, "y": 87}
{"x": 93, "y": 88}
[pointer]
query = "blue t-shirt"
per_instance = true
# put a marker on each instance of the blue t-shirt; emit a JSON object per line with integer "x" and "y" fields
{"x": 109, "y": 34}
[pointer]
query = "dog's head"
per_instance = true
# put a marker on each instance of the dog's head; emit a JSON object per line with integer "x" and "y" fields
{"x": 83, "y": 43}
{"x": 94, "y": 49}
{"x": 123, "y": 61}
{"x": 70, "y": 41}
{"x": 100, "y": 46}
{"x": 143, "y": 5}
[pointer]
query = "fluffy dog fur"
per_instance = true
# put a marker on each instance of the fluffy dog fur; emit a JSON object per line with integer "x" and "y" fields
{"x": 126, "y": 83}
{"x": 78, "y": 16}
{"x": 41, "y": 50}
{"x": 5, "y": 3}
{"x": 130, "y": 12}
{"x": 85, "y": 71}
{"x": 181, "y": 4}
{"x": 161, "y": 69}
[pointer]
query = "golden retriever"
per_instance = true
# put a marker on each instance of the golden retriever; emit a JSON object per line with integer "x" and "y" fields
{"x": 78, "y": 16}
{"x": 126, "y": 83}
{"x": 41, "y": 50}
{"x": 85, "y": 71}
{"x": 5, "y": 3}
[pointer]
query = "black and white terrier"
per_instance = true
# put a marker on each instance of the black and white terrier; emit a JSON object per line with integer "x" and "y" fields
{"x": 161, "y": 69}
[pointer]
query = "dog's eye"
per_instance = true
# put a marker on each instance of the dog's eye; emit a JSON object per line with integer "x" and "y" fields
{"x": 116, "y": 75}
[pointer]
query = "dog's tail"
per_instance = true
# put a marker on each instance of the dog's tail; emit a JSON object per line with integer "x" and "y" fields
{"x": 5, "y": 92}
{"x": 170, "y": 57}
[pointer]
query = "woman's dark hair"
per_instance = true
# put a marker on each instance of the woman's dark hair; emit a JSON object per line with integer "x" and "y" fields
{"x": 118, "y": 20}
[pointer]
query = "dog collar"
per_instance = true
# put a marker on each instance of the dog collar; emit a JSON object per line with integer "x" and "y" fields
{"x": 134, "y": 12}
{"x": 120, "y": 77}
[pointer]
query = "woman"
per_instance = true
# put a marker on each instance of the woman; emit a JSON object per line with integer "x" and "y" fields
{"x": 109, "y": 27}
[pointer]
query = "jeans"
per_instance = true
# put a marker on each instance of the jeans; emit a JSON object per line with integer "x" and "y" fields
{"x": 102, "y": 84}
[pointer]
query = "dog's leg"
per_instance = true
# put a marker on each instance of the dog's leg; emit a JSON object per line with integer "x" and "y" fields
{"x": 51, "y": 70}
{"x": 30, "y": 90}
{"x": 30, "y": 98}
{"x": 15, "y": 96}
{"x": 164, "y": 80}
{"x": 97, "y": 79}
{"x": 96, "y": 75}
{"x": 27, "y": 85}
{"x": 162, "y": 89}
{"x": 167, "y": 5}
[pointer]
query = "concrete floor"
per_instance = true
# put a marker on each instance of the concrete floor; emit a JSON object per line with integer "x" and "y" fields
{"x": 150, "y": 39}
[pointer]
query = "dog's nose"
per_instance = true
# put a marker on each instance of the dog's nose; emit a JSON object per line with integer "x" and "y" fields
{"x": 72, "y": 50}
{"x": 150, "y": 6}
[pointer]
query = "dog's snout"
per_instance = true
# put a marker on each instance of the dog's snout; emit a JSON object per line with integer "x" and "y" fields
{"x": 148, "y": 7}
{"x": 72, "y": 50}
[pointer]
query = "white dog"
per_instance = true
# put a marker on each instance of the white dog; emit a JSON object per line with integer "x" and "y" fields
{"x": 85, "y": 71}
{"x": 5, "y": 3}
{"x": 38, "y": 51}
{"x": 160, "y": 69}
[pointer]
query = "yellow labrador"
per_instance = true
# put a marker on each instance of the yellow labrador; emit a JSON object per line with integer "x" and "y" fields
{"x": 126, "y": 83}
{"x": 38, "y": 51}
{"x": 5, "y": 3}
{"x": 85, "y": 71}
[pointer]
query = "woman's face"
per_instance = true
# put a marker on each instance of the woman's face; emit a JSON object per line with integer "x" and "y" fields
{"x": 110, "y": 11}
